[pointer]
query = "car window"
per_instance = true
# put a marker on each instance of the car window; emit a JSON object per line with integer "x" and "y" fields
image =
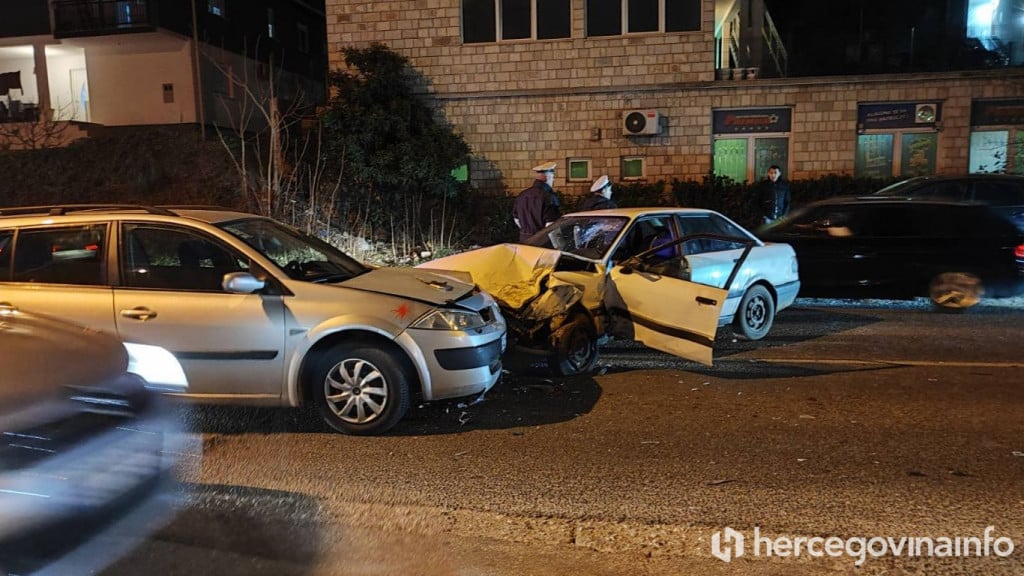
{"x": 952, "y": 190}
{"x": 999, "y": 193}
{"x": 64, "y": 255}
{"x": 899, "y": 221}
{"x": 6, "y": 247}
{"x": 709, "y": 224}
{"x": 646, "y": 233}
{"x": 168, "y": 258}
{"x": 918, "y": 188}
{"x": 835, "y": 221}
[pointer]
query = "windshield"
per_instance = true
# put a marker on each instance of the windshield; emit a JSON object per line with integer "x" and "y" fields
{"x": 585, "y": 236}
{"x": 300, "y": 256}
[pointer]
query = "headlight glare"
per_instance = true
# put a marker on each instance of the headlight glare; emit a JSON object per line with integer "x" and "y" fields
{"x": 447, "y": 319}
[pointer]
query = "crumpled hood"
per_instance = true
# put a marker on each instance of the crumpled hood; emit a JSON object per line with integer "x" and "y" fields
{"x": 512, "y": 273}
{"x": 433, "y": 286}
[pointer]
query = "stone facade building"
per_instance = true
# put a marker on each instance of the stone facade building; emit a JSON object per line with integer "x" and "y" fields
{"x": 662, "y": 95}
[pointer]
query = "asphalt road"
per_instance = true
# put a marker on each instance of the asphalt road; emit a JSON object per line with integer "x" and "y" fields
{"x": 847, "y": 422}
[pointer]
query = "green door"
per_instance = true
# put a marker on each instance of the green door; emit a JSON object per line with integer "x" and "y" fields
{"x": 731, "y": 158}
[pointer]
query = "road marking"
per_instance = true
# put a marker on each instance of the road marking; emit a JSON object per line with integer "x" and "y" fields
{"x": 953, "y": 364}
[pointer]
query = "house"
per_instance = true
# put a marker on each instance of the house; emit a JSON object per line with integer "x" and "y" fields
{"x": 660, "y": 89}
{"x": 152, "y": 62}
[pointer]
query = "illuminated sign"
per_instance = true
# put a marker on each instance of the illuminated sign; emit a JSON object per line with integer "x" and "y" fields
{"x": 752, "y": 120}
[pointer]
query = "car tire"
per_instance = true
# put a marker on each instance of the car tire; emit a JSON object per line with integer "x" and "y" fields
{"x": 954, "y": 291}
{"x": 575, "y": 347}
{"x": 361, "y": 390}
{"x": 756, "y": 313}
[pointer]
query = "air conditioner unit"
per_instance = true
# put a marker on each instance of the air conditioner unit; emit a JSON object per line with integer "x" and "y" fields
{"x": 641, "y": 122}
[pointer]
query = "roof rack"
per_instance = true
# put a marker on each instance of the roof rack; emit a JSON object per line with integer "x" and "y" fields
{"x": 62, "y": 209}
{"x": 214, "y": 207}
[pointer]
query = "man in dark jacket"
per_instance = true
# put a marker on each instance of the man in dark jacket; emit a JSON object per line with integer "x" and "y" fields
{"x": 600, "y": 196}
{"x": 774, "y": 196}
{"x": 537, "y": 206}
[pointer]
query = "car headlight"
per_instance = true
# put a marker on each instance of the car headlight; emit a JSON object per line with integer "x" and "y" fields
{"x": 448, "y": 319}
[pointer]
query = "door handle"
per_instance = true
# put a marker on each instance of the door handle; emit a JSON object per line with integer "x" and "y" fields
{"x": 706, "y": 300}
{"x": 139, "y": 313}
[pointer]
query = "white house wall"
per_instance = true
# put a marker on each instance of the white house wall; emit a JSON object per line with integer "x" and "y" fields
{"x": 127, "y": 88}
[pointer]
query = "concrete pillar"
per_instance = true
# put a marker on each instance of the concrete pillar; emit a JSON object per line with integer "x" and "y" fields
{"x": 42, "y": 83}
{"x": 752, "y": 33}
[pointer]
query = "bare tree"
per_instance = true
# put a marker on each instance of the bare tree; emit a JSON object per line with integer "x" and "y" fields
{"x": 45, "y": 132}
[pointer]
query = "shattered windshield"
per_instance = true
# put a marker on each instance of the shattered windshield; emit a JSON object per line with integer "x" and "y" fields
{"x": 300, "y": 256}
{"x": 585, "y": 236}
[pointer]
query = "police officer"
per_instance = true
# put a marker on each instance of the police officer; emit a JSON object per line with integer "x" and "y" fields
{"x": 600, "y": 195}
{"x": 537, "y": 206}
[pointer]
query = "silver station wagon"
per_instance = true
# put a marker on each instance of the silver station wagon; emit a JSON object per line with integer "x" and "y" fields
{"x": 256, "y": 311}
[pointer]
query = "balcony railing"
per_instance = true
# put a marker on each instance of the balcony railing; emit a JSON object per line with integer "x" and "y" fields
{"x": 98, "y": 17}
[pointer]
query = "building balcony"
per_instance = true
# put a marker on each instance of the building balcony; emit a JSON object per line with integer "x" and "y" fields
{"x": 74, "y": 18}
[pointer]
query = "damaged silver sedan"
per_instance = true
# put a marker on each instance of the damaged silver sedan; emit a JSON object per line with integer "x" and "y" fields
{"x": 667, "y": 278}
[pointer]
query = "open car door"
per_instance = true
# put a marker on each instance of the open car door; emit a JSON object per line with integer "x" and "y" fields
{"x": 666, "y": 311}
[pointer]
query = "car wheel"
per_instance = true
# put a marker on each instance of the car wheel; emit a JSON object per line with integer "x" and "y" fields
{"x": 955, "y": 290}
{"x": 756, "y": 313}
{"x": 361, "y": 390}
{"x": 575, "y": 345}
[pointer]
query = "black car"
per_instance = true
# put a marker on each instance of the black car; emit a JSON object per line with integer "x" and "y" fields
{"x": 1003, "y": 192}
{"x": 952, "y": 252}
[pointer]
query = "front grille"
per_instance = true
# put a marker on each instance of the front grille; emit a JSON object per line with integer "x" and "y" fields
{"x": 467, "y": 358}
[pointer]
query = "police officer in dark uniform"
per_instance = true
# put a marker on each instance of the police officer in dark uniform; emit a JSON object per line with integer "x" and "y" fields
{"x": 537, "y": 206}
{"x": 600, "y": 196}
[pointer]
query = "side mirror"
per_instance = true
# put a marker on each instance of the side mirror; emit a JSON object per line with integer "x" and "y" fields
{"x": 241, "y": 283}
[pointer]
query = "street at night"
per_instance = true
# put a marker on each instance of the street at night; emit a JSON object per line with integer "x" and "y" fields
{"x": 880, "y": 420}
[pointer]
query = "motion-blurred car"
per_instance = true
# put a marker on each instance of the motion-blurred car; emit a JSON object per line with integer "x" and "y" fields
{"x": 1003, "y": 192}
{"x": 953, "y": 252}
{"x": 667, "y": 277}
{"x": 87, "y": 452}
{"x": 256, "y": 311}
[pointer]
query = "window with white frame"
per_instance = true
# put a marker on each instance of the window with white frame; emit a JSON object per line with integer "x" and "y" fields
{"x": 616, "y": 17}
{"x": 216, "y": 7}
{"x": 579, "y": 169}
{"x": 634, "y": 167}
{"x": 498, "y": 20}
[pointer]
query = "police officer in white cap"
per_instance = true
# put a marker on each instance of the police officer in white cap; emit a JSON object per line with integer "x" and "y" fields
{"x": 600, "y": 196}
{"x": 537, "y": 206}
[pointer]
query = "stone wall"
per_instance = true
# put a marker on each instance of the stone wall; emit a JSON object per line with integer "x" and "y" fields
{"x": 520, "y": 103}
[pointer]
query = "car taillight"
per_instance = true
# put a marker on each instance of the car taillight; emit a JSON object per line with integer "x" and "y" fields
{"x": 1019, "y": 251}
